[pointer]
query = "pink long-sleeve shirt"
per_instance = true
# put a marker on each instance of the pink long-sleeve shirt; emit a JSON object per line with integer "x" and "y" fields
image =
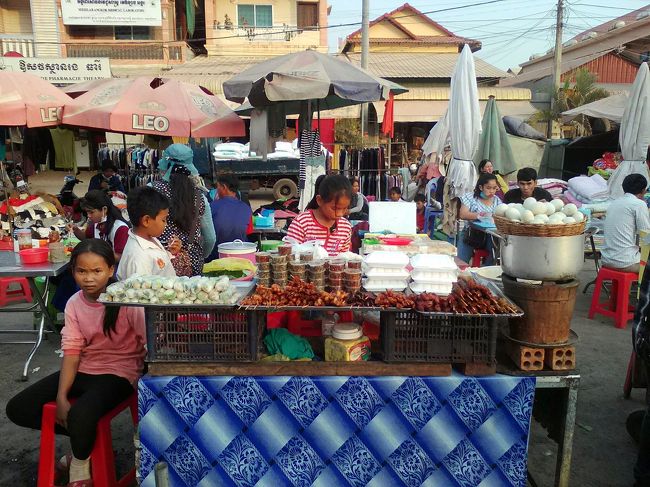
{"x": 122, "y": 353}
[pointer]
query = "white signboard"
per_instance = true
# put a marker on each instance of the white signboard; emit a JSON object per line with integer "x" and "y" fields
{"x": 394, "y": 217}
{"x": 111, "y": 12}
{"x": 59, "y": 70}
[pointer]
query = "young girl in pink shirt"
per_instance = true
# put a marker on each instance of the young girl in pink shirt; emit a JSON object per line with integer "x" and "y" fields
{"x": 103, "y": 356}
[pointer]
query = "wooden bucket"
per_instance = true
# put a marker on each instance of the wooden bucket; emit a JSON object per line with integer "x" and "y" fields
{"x": 548, "y": 309}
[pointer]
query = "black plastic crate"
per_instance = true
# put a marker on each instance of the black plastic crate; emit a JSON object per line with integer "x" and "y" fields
{"x": 409, "y": 336}
{"x": 187, "y": 334}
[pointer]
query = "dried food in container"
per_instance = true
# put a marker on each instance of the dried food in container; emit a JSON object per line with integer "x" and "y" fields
{"x": 284, "y": 249}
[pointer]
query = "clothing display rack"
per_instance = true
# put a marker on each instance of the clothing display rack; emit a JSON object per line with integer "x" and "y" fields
{"x": 137, "y": 164}
{"x": 370, "y": 166}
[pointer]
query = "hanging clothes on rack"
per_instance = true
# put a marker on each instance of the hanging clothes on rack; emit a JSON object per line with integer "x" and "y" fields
{"x": 310, "y": 146}
{"x": 65, "y": 157}
{"x": 37, "y": 144}
{"x": 314, "y": 167}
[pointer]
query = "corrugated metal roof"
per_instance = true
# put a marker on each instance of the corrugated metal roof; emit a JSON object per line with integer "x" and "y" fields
{"x": 628, "y": 18}
{"x": 212, "y": 71}
{"x": 417, "y": 40}
{"x": 419, "y": 65}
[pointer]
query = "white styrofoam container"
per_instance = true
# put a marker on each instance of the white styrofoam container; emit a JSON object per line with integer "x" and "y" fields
{"x": 387, "y": 272}
{"x": 434, "y": 276}
{"x": 437, "y": 262}
{"x": 381, "y": 285}
{"x": 382, "y": 258}
{"x": 438, "y": 288}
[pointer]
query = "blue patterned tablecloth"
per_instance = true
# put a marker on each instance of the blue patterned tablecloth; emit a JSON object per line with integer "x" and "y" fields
{"x": 336, "y": 431}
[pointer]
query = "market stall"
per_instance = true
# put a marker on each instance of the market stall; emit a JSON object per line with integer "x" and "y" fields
{"x": 215, "y": 391}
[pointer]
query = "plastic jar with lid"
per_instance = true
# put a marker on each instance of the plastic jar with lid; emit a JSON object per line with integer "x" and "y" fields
{"x": 347, "y": 344}
{"x": 24, "y": 238}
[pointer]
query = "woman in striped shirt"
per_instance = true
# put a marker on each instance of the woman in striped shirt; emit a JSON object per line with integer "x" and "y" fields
{"x": 324, "y": 219}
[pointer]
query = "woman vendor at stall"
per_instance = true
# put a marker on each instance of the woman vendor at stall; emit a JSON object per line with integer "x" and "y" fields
{"x": 475, "y": 206}
{"x": 105, "y": 221}
{"x": 324, "y": 219}
{"x": 486, "y": 166}
{"x": 358, "y": 203}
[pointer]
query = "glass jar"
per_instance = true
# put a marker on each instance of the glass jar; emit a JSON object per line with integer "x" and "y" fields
{"x": 24, "y": 238}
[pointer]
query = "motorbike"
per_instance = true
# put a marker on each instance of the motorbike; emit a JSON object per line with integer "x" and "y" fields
{"x": 69, "y": 200}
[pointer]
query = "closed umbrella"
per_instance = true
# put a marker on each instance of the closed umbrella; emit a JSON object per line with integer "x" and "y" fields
{"x": 307, "y": 75}
{"x": 494, "y": 144}
{"x": 464, "y": 125}
{"x": 153, "y": 106}
{"x": 438, "y": 137}
{"x": 464, "y": 118}
{"x": 634, "y": 134}
{"x": 27, "y": 100}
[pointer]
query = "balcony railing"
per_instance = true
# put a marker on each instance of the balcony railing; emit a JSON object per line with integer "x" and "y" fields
{"x": 129, "y": 50}
{"x": 24, "y": 44}
{"x": 277, "y": 33}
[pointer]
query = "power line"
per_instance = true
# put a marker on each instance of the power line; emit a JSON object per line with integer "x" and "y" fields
{"x": 605, "y": 6}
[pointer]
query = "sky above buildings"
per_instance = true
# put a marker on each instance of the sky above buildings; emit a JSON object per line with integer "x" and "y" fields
{"x": 510, "y": 30}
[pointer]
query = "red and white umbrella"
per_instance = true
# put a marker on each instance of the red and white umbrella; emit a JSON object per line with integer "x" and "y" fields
{"x": 153, "y": 106}
{"x": 27, "y": 100}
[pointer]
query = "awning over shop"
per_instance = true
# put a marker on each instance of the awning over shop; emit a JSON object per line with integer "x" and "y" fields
{"x": 611, "y": 108}
{"x": 433, "y": 110}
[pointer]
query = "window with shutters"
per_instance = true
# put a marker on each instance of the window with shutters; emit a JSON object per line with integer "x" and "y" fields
{"x": 15, "y": 17}
{"x": 255, "y": 15}
{"x": 307, "y": 15}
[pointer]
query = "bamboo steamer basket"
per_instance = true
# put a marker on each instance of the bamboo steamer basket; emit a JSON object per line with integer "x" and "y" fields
{"x": 509, "y": 227}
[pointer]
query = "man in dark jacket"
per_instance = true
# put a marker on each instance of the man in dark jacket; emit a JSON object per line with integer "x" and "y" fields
{"x": 107, "y": 179}
{"x": 232, "y": 218}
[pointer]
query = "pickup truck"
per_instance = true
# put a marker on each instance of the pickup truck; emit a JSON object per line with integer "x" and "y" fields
{"x": 280, "y": 174}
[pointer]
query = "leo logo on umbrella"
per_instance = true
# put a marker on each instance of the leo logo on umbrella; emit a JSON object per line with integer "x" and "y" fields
{"x": 51, "y": 114}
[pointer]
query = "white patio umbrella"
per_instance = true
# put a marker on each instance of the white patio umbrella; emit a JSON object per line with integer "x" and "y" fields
{"x": 464, "y": 116}
{"x": 634, "y": 134}
{"x": 438, "y": 136}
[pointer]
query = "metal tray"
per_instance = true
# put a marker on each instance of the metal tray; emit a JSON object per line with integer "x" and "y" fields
{"x": 316, "y": 308}
{"x": 244, "y": 288}
{"x": 495, "y": 290}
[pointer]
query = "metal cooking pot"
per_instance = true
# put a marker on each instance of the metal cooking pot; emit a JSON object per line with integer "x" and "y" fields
{"x": 542, "y": 258}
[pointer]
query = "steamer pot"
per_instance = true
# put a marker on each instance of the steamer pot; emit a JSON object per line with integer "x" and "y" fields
{"x": 542, "y": 258}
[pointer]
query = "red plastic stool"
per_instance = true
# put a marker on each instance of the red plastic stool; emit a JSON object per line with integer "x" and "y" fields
{"x": 479, "y": 256}
{"x": 15, "y": 295}
{"x": 618, "y": 305}
{"x": 101, "y": 459}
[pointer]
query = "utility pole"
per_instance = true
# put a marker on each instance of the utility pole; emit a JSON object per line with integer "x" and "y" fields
{"x": 557, "y": 56}
{"x": 365, "y": 48}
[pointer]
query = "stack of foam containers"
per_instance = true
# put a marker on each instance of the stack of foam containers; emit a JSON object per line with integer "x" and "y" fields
{"x": 386, "y": 270}
{"x": 433, "y": 273}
